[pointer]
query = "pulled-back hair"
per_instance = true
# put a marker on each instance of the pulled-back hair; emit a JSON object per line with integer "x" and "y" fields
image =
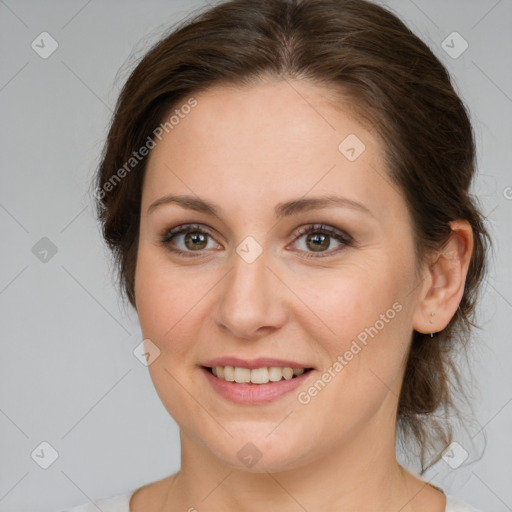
{"x": 394, "y": 83}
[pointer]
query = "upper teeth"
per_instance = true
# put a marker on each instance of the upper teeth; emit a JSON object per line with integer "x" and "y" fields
{"x": 256, "y": 375}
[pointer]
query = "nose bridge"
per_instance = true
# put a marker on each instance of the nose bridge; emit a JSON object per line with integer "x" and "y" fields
{"x": 251, "y": 300}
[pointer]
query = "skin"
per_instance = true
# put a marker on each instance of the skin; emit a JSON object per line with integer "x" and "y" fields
{"x": 248, "y": 149}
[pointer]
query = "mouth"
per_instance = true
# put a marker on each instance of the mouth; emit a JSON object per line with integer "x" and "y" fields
{"x": 252, "y": 381}
{"x": 255, "y": 386}
{"x": 256, "y": 376}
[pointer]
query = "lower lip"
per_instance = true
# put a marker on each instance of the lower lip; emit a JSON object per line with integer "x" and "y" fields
{"x": 254, "y": 393}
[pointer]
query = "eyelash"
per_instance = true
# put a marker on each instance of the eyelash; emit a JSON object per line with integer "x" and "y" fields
{"x": 345, "y": 239}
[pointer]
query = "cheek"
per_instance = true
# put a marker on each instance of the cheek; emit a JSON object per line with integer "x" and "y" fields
{"x": 165, "y": 307}
{"x": 347, "y": 301}
{"x": 365, "y": 323}
{"x": 164, "y": 298}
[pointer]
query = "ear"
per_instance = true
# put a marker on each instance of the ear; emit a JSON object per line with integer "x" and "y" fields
{"x": 443, "y": 286}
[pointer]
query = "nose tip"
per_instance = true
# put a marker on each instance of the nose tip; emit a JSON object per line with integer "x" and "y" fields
{"x": 250, "y": 303}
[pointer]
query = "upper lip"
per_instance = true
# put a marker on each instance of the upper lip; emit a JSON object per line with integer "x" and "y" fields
{"x": 260, "y": 362}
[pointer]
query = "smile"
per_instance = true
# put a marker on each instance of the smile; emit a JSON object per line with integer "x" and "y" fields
{"x": 236, "y": 384}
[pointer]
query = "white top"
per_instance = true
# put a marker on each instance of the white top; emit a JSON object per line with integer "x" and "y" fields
{"x": 121, "y": 503}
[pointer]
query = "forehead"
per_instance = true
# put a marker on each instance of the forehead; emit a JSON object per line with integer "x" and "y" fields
{"x": 266, "y": 143}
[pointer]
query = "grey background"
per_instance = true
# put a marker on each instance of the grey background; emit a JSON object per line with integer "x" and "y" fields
{"x": 68, "y": 373}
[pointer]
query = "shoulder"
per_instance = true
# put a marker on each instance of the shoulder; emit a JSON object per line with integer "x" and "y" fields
{"x": 151, "y": 497}
{"x": 456, "y": 504}
{"x": 117, "y": 503}
{"x": 147, "y": 498}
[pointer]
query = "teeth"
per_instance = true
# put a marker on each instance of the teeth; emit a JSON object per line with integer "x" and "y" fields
{"x": 275, "y": 374}
{"x": 242, "y": 375}
{"x": 229, "y": 373}
{"x": 259, "y": 376}
{"x": 256, "y": 375}
{"x": 287, "y": 373}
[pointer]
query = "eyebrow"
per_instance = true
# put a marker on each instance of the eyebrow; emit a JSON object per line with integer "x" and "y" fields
{"x": 281, "y": 210}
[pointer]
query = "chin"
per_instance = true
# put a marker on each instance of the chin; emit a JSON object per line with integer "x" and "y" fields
{"x": 252, "y": 449}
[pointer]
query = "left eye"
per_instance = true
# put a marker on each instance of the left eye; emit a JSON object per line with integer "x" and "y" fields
{"x": 318, "y": 238}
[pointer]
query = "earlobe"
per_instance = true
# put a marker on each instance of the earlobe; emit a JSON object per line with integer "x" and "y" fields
{"x": 447, "y": 276}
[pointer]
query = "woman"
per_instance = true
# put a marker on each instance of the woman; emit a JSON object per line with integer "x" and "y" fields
{"x": 285, "y": 190}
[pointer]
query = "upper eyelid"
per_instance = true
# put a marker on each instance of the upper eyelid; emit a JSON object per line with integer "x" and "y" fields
{"x": 183, "y": 228}
{"x": 321, "y": 226}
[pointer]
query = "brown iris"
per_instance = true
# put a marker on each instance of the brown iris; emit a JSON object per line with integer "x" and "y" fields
{"x": 314, "y": 237}
{"x": 195, "y": 237}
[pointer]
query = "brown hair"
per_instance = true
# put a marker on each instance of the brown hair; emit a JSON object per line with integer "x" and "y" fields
{"x": 394, "y": 81}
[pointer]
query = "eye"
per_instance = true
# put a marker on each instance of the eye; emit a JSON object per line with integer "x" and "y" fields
{"x": 194, "y": 238}
{"x": 191, "y": 237}
{"x": 318, "y": 238}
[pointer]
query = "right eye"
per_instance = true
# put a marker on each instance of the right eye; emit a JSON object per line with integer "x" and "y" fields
{"x": 192, "y": 237}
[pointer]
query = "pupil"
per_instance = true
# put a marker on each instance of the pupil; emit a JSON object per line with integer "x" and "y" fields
{"x": 194, "y": 237}
{"x": 324, "y": 244}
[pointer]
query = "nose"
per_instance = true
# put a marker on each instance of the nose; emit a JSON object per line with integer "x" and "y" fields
{"x": 252, "y": 300}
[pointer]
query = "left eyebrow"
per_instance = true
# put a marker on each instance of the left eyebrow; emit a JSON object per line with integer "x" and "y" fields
{"x": 282, "y": 210}
{"x": 316, "y": 203}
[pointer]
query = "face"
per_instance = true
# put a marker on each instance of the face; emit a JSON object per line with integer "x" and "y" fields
{"x": 327, "y": 287}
